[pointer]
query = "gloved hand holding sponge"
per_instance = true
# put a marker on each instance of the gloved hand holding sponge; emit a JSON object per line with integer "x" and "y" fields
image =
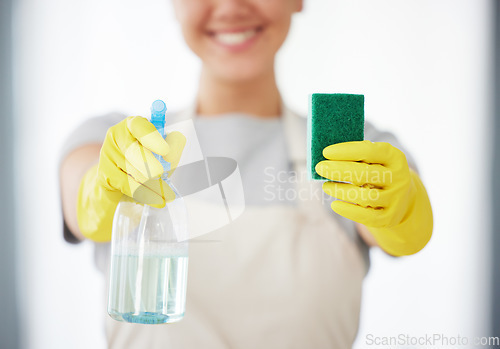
{"x": 372, "y": 181}
{"x": 126, "y": 167}
{"x": 376, "y": 188}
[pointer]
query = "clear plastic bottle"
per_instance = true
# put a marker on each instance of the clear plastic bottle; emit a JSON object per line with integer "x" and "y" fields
{"x": 149, "y": 255}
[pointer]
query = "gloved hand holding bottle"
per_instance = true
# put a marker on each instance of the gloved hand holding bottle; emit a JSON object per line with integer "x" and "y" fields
{"x": 126, "y": 166}
{"x": 376, "y": 188}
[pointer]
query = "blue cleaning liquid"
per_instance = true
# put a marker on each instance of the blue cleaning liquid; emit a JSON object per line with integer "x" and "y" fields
{"x": 147, "y": 318}
{"x": 148, "y": 289}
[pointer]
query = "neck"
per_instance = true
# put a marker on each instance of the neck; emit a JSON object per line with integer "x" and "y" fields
{"x": 259, "y": 97}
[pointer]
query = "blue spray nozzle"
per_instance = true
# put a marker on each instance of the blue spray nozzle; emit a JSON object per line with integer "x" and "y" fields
{"x": 158, "y": 110}
{"x": 158, "y": 107}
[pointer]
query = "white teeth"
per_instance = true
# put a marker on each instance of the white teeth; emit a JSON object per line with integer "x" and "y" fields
{"x": 235, "y": 38}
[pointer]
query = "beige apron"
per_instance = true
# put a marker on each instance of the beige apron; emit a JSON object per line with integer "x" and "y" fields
{"x": 282, "y": 276}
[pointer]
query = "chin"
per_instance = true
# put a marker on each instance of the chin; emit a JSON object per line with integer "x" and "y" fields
{"x": 241, "y": 71}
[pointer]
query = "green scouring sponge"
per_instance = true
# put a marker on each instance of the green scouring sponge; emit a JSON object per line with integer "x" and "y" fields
{"x": 333, "y": 118}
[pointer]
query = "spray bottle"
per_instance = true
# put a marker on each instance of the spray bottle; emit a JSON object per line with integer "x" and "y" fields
{"x": 149, "y": 254}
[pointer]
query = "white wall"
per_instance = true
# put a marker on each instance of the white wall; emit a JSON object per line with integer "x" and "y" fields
{"x": 423, "y": 66}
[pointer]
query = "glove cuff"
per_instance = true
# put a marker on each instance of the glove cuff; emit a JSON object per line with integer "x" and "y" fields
{"x": 95, "y": 208}
{"x": 415, "y": 230}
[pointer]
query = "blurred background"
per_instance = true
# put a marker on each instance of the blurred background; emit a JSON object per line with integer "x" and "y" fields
{"x": 429, "y": 72}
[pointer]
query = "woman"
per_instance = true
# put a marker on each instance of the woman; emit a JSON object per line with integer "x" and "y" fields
{"x": 288, "y": 272}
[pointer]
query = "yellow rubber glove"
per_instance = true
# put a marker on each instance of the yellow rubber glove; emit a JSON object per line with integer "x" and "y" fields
{"x": 126, "y": 166}
{"x": 380, "y": 192}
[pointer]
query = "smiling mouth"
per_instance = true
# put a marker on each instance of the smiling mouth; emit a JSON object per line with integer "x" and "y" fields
{"x": 235, "y": 38}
